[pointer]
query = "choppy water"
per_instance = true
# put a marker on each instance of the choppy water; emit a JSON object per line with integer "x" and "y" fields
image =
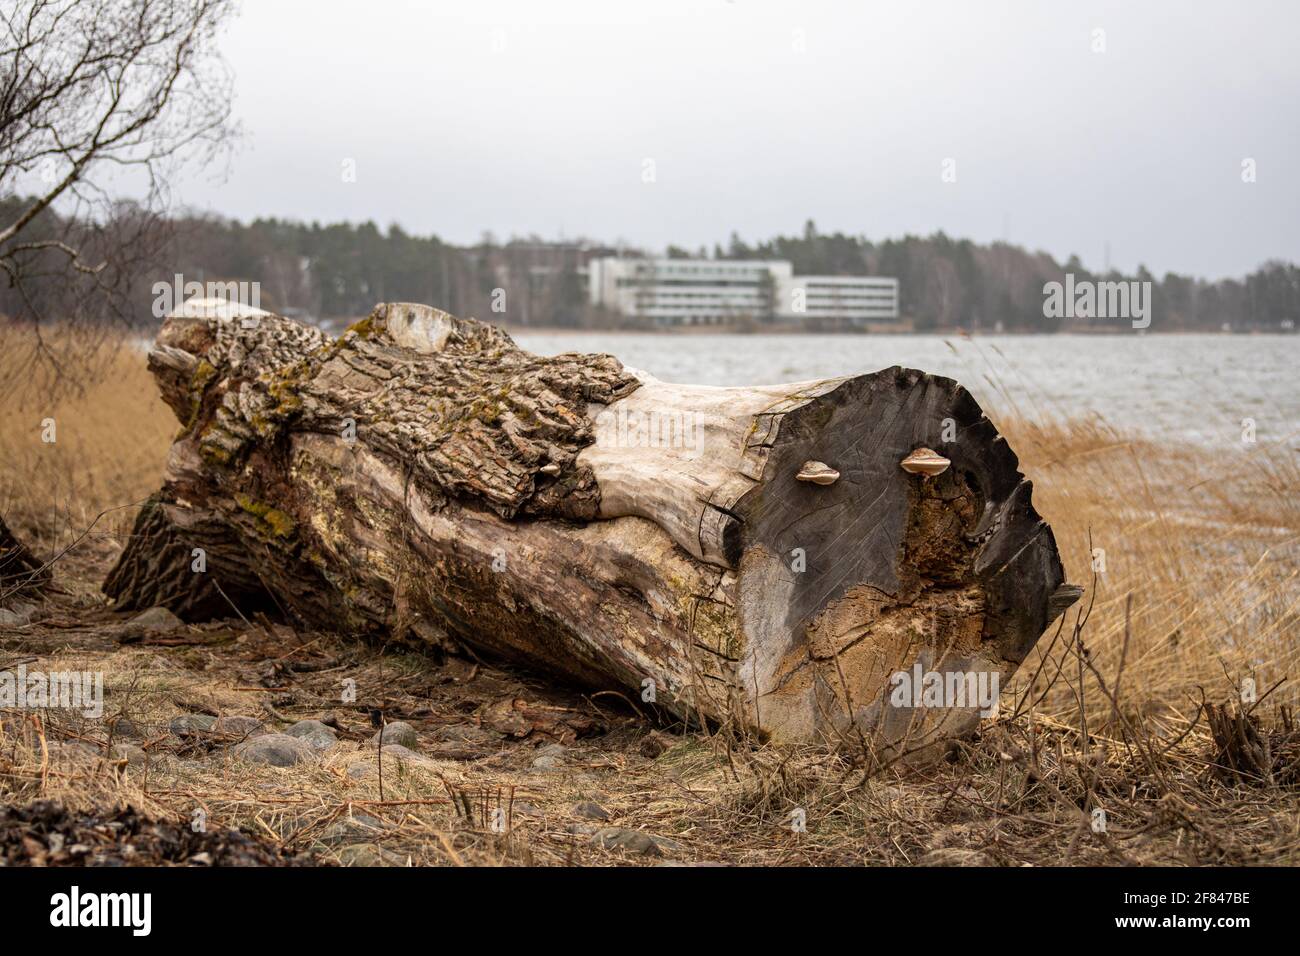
{"x": 1186, "y": 387}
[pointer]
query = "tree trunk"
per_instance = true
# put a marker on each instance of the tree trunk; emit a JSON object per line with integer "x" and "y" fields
{"x": 756, "y": 556}
{"x": 22, "y": 574}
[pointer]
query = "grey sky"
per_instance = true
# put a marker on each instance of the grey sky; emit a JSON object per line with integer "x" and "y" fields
{"x": 537, "y": 117}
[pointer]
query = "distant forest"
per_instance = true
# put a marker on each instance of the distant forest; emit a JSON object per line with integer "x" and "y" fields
{"x": 339, "y": 271}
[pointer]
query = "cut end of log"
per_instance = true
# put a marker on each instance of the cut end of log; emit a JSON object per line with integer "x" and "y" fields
{"x": 420, "y": 328}
{"x": 217, "y": 308}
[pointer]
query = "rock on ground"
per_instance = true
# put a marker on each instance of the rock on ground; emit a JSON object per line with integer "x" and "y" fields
{"x": 274, "y": 750}
{"x": 635, "y": 841}
{"x": 237, "y": 726}
{"x": 466, "y": 734}
{"x": 590, "y": 810}
{"x": 318, "y": 736}
{"x": 17, "y": 615}
{"x": 398, "y": 732}
{"x": 158, "y": 619}
{"x": 125, "y": 727}
{"x": 464, "y": 742}
{"x": 133, "y": 754}
{"x": 190, "y": 723}
{"x": 398, "y": 752}
{"x": 550, "y": 757}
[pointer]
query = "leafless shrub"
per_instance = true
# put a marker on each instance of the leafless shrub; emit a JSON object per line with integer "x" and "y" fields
{"x": 97, "y": 98}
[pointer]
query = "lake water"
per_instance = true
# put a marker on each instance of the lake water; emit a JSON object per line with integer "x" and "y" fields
{"x": 1190, "y": 387}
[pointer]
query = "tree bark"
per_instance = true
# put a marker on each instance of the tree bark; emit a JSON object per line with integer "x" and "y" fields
{"x": 22, "y": 574}
{"x": 423, "y": 479}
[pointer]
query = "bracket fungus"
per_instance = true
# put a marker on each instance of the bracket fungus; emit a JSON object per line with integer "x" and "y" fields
{"x": 818, "y": 472}
{"x": 925, "y": 461}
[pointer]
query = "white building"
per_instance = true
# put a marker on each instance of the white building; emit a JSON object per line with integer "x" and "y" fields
{"x": 687, "y": 291}
{"x": 721, "y": 291}
{"x": 853, "y": 299}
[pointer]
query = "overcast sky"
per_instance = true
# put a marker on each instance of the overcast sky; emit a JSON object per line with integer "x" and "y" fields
{"x": 540, "y": 117}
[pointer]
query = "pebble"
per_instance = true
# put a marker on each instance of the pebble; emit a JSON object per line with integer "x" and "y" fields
{"x": 133, "y": 754}
{"x": 464, "y": 742}
{"x": 458, "y": 751}
{"x": 238, "y": 726}
{"x": 635, "y": 841}
{"x": 17, "y": 615}
{"x": 398, "y": 732}
{"x": 590, "y": 810}
{"x": 128, "y": 728}
{"x": 275, "y": 750}
{"x": 317, "y": 735}
{"x": 550, "y": 757}
{"x": 406, "y": 754}
{"x": 466, "y": 734}
{"x": 190, "y": 723}
{"x": 157, "y": 619}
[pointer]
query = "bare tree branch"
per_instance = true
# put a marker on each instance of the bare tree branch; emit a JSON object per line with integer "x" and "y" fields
{"x": 97, "y": 98}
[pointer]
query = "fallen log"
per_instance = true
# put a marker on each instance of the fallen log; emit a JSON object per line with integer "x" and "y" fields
{"x": 769, "y": 557}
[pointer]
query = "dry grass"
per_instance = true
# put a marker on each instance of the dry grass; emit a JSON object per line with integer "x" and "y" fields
{"x": 1201, "y": 556}
{"x": 111, "y": 440}
{"x": 1202, "y": 551}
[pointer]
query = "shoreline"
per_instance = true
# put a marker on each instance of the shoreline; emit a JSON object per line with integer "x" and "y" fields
{"x": 963, "y": 333}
